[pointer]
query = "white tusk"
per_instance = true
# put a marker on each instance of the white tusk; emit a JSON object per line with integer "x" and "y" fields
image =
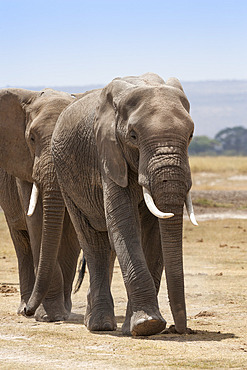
{"x": 33, "y": 200}
{"x": 152, "y": 207}
{"x": 189, "y": 207}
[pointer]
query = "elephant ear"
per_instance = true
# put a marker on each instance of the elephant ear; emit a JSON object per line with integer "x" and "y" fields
{"x": 174, "y": 82}
{"x": 14, "y": 153}
{"x": 111, "y": 156}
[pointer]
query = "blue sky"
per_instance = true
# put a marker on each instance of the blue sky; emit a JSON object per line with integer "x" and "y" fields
{"x": 73, "y": 42}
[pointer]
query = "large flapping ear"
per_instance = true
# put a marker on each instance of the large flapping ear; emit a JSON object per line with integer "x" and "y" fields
{"x": 174, "y": 82}
{"x": 15, "y": 156}
{"x": 110, "y": 153}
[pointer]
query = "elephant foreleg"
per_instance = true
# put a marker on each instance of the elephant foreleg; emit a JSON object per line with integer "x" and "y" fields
{"x": 124, "y": 229}
{"x": 15, "y": 218}
{"x": 23, "y": 251}
{"x": 152, "y": 248}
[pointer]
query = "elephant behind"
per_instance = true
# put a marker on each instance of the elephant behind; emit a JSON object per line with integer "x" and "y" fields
{"x": 120, "y": 152}
{"x": 46, "y": 245}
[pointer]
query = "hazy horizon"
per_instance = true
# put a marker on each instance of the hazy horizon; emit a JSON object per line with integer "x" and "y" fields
{"x": 215, "y": 105}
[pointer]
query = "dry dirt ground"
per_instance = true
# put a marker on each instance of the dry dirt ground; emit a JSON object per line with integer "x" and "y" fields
{"x": 215, "y": 262}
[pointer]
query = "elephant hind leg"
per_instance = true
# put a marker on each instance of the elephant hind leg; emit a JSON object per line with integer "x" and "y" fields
{"x": 68, "y": 255}
{"x": 99, "y": 314}
{"x": 100, "y": 308}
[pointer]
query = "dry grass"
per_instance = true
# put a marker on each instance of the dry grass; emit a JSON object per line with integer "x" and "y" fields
{"x": 219, "y": 173}
{"x": 219, "y": 165}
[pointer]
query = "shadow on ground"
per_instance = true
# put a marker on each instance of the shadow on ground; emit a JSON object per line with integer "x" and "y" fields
{"x": 167, "y": 335}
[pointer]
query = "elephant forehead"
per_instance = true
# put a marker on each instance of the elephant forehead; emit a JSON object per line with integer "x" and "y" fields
{"x": 46, "y": 111}
{"x": 51, "y": 103}
{"x": 150, "y": 101}
{"x": 160, "y": 116}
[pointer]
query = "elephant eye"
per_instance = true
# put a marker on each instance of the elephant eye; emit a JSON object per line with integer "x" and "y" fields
{"x": 191, "y": 136}
{"x": 32, "y": 138}
{"x": 133, "y": 136}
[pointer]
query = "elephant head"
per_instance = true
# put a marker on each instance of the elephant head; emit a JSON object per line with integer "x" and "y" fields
{"x": 143, "y": 128}
{"x": 27, "y": 120}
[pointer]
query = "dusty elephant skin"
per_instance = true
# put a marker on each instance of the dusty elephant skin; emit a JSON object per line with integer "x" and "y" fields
{"x": 107, "y": 146}
{"x": 45, "y": 241}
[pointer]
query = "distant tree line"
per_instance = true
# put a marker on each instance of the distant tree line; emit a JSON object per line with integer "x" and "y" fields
{"x": 230, "y": 141}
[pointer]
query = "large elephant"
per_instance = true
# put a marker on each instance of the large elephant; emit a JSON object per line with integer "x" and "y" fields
{"x": 112, "y": 149}
{"x": 45, "y": 241}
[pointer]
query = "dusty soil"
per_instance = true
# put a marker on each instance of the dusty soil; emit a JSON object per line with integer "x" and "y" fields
{"x": 215, "y": 262}
{"x": 216, "y": 204}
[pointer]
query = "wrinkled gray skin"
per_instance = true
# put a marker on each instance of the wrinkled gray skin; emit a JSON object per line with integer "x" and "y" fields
{"x": 46, "y": 244}
{"x": 135, "y": 132}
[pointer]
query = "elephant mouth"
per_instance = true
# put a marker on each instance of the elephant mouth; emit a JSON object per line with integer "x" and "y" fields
{"x": 156, "y": 212}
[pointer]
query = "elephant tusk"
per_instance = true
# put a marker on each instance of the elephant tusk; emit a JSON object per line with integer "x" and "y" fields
{"x": 33, "y": 200}
{"x": 152, "y": 207}
{"x": 189, "y": 207}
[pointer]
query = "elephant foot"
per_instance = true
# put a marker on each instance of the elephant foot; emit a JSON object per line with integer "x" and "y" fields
{"x": 68, "y": 303}
{"x": 126, "y": 327}
{"x": 21, "y": 308}
{"x": 50, "y": 314}
{"x": 142, "y": 324}
{"x": 100, "y": 320}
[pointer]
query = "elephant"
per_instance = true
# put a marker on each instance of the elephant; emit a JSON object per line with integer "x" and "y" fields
{"x": 121, "y": 156}
{"x": 43, "y": 235}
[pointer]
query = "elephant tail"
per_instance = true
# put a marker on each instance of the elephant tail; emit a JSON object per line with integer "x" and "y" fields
{"x": 81, "y": 270}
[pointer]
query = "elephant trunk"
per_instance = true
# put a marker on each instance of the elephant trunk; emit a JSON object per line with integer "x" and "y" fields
{"x": 171, "y": 199}
{"x": 53, "y": 217}
{"x": 171, "y": 239}
{"x": 168, "y": 180}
